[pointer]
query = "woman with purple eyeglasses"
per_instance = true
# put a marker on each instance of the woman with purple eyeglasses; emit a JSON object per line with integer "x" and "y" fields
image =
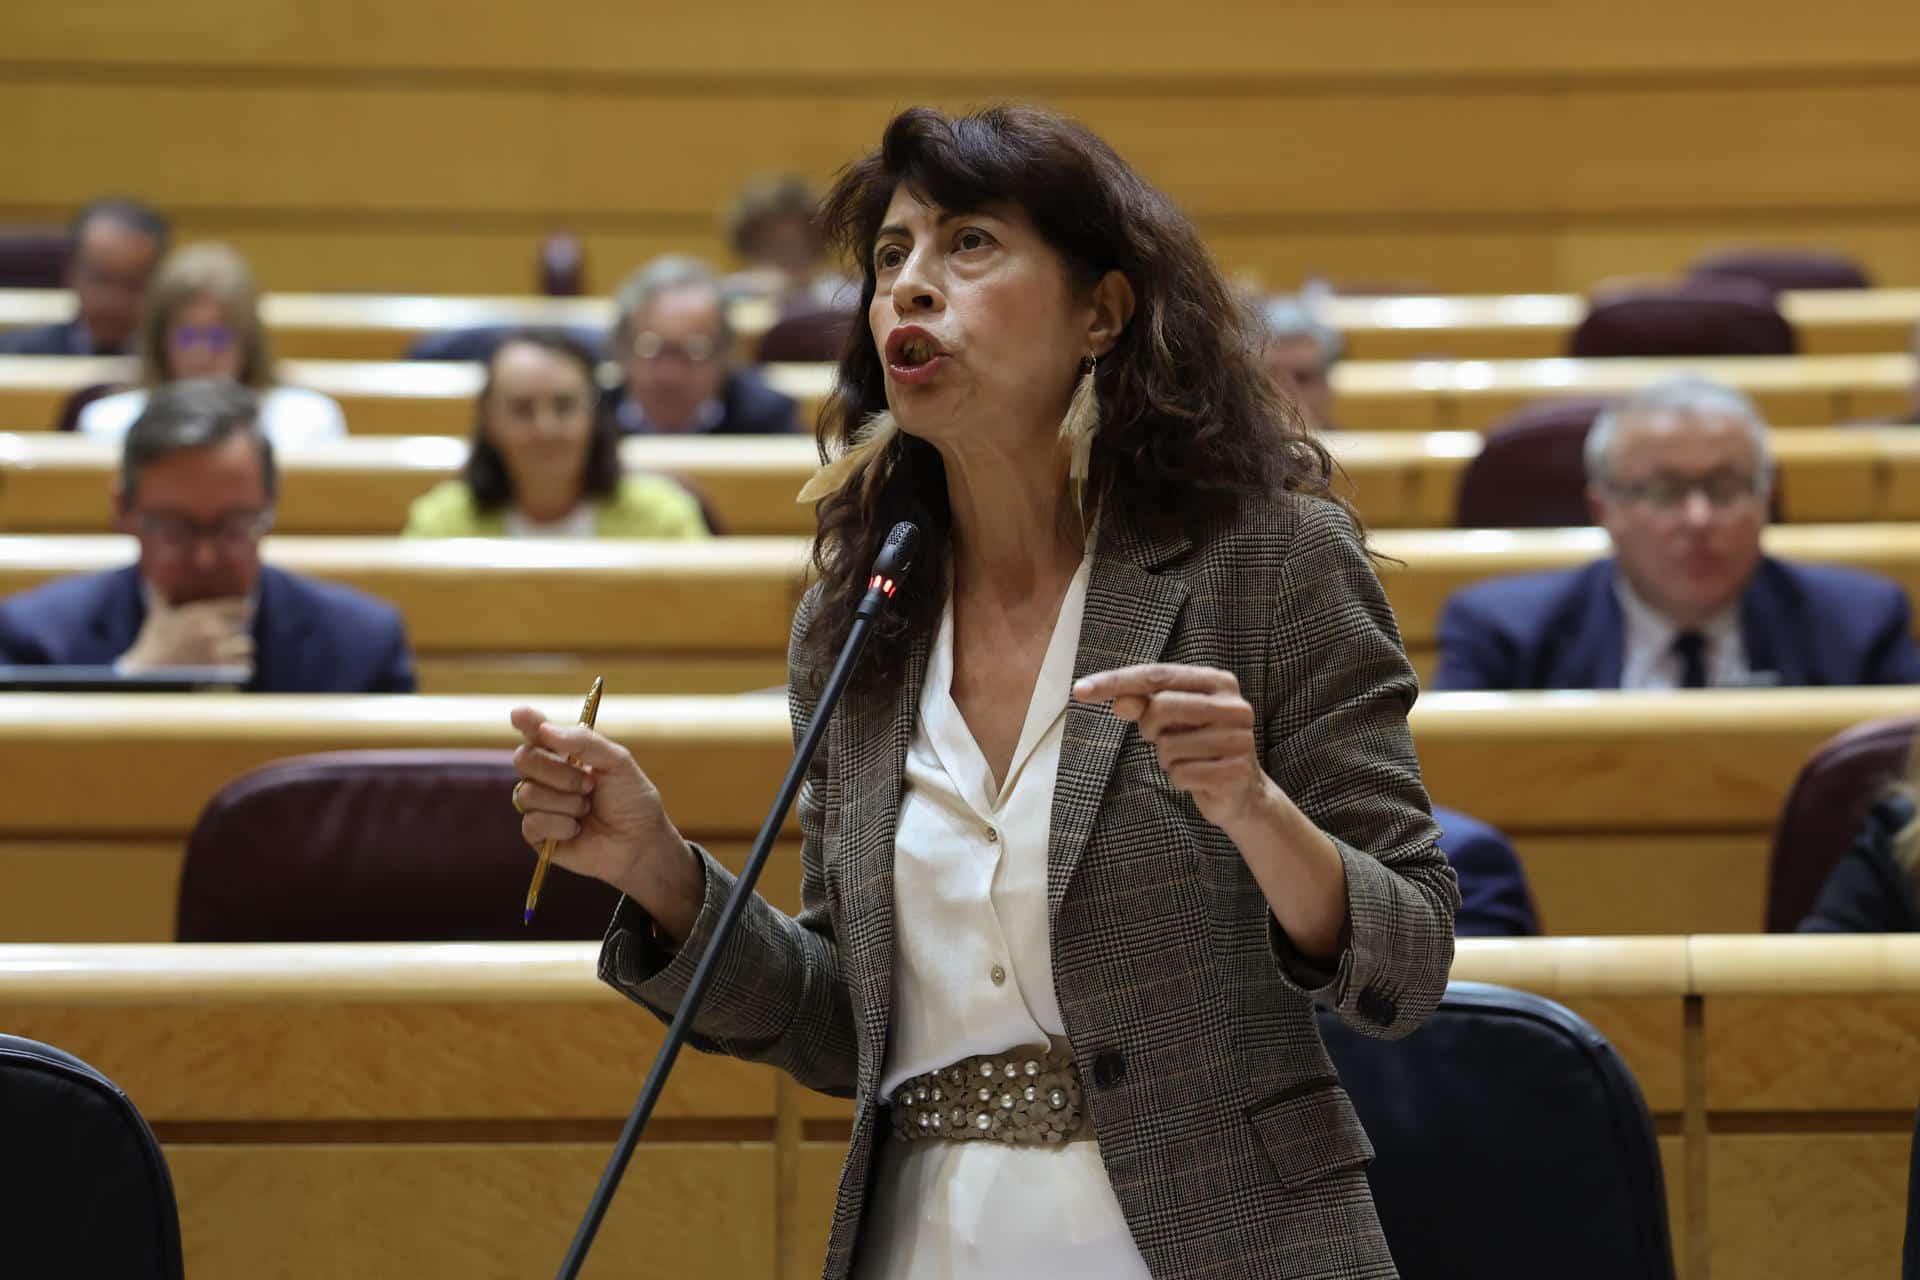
{"x": 202, "y": 320}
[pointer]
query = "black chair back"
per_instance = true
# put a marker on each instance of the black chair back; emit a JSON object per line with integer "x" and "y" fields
{"x": 1510, "y": 1140}
{"x": 84, "y": 1189}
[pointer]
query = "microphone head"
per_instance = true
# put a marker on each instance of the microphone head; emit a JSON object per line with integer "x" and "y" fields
{"x": 898, "y": 552}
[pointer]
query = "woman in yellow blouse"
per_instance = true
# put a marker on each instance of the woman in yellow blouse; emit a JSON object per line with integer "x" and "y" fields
{"x": 545, "y": 463}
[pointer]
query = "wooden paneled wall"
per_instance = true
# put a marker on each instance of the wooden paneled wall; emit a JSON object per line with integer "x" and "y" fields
{"x": 415, "y": 145}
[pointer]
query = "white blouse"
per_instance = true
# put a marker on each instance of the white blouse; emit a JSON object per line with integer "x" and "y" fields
{"x": 288, "y": 415}
{"x": 973, "y": 974}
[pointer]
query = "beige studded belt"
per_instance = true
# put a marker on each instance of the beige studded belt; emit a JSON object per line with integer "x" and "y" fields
{"x": 1023, "y": 1096}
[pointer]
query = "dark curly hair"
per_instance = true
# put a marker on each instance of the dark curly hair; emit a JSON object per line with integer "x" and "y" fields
{"x": 486, "y": 471}
{"x": 1190, "y": 424}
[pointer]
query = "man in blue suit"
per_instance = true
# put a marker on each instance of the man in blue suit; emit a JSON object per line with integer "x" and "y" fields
{"x": 116, "y": 244}
{"x": 1681, "y": 477}
{"x": 196, "y": 487}
{"x": 677, "y": 359}
{"x": 1495, "y": 901}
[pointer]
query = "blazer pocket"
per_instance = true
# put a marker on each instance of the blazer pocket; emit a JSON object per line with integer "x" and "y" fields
{"x": 1311, "y": 1132}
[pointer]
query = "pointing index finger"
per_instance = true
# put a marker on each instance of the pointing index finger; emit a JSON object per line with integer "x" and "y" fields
{"x": 1148, "y": 679}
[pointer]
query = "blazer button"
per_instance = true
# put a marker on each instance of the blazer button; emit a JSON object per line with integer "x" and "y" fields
{"x": 1376, "y": 1008}
{"x": 1109, "y": 1069}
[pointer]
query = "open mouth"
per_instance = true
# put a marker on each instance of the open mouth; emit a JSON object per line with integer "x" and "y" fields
{"x": 911, "y": 350}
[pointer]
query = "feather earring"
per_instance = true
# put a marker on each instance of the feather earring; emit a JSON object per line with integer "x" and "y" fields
{"x": 1077, "y": 429}
{"x": 838, "y": 474}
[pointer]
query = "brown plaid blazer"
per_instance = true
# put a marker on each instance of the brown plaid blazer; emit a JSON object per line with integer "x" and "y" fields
{"x": 1232, "y": 1147}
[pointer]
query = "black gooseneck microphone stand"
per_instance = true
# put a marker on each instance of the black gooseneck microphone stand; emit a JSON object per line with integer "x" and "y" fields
{"x": 890, "y": 569}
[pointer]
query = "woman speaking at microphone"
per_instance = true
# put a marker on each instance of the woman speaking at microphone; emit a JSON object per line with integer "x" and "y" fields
{"x": 1123, "y": 786}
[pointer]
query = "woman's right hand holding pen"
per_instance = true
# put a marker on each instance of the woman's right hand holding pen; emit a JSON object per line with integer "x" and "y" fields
{"x": 606, "y": 818}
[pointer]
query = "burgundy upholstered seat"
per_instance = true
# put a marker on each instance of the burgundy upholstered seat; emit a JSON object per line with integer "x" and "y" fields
{"x": 1703, "y": 317}
{"x": 375, "y": 846}
{"x": 1832, "y": 793}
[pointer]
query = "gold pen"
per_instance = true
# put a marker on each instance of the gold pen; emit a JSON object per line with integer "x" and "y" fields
{"x": 588, "y": 714}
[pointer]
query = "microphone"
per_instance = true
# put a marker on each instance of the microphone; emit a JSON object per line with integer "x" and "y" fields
{"x": 890, "y": 570}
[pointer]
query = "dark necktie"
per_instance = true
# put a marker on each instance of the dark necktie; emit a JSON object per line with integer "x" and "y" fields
{"x": 1691, "y": 648}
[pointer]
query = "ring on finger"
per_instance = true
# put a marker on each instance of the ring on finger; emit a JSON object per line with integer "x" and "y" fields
{"x": 518, "y": 807}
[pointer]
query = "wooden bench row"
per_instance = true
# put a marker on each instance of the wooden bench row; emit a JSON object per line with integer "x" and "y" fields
{"x": 713, "y": 616}
{"x": 444, "y": 1110}
{"x": 1483, "y": 327}
{"x": 402, "y": 397}
{"x": 60, "y": 483}
{"x": 1633, "y": 813}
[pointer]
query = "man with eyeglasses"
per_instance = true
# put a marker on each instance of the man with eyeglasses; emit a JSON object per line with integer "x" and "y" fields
{"x": 116, "y": 246}
{"x": 1681, "y": 477}
{"x": 196, "y": 488}
{"x": 676, "y": 354}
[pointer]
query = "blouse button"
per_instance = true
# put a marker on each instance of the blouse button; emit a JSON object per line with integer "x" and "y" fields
{"x": 993, "y": 835}
{"x": 999, "y": 975}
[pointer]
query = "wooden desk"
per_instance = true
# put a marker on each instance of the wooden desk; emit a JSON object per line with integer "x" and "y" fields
{"x": 714, "y": 616}
{"x": 59, "y": 483}
{"x": 379, "y": 397}
{"x": 382, "y": 326}
{"x": 1540, "y": 325}
{"x": 404, "y": 397}
{"x": 347, "y": 326}
{"x": 1472, "y": 395}
{"x": 1633, "y": 813}
{"x": 56, "y": 482}
{"x": 368, "y": 1107}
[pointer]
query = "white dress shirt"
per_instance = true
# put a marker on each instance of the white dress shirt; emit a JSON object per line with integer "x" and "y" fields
{"x": 973, "y": 974}
{"x": 1647, "y": 659}
{"x": 288, "y": 415}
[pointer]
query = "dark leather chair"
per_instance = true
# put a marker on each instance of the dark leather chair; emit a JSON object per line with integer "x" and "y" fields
{"x": 808, "y": 336}
{"x": 1510, "y": 1140}
{"x": 1785, "y": 268}
{"x": 1824, "y": 808}
{"x": 33, "y": 257}
{"x": 84, "y": 1188}
{"x": 75, "y": 404}
{"x": 563, "y": 266}
{"x": 1702, "y": 317}
{"x": 476, "y": 342}
{"x": 375, "y": 846}
{"x": 1530, "y": 473}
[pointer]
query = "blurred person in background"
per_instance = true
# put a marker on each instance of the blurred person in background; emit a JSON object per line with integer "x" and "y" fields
{"x": 202, "y": 320}
{"x": 1495, "y": 901}
{"x": 1300, "y": 352}
{"x": 1681, "y": 476}
{"x": 1873, "y": 888}
{"x": 774, "y": 232}
{"x": 545, "y": 461}
{"x": 116, "y": 245}
{"x": 677, "y": 358}
{"x": 196, "y": 488}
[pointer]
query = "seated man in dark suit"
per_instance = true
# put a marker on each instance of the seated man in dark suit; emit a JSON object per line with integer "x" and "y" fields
{"x": 1494, "y": 899}
{"x": 1681, "y": 477}
{"x": 196, "y": 488}
{"x": 116, "y": 246}
{"x": 676, "y": 353}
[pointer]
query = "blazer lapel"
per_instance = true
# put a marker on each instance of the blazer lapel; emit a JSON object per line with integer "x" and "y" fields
{"x": 1596, "y": 654}
{"x": 123, "y": 611}
{"x": 870, "y": 759}
{"x": 1763, "y": 618}
{"x": 1129, "y": 617}
{"x": 279, "y": 631}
